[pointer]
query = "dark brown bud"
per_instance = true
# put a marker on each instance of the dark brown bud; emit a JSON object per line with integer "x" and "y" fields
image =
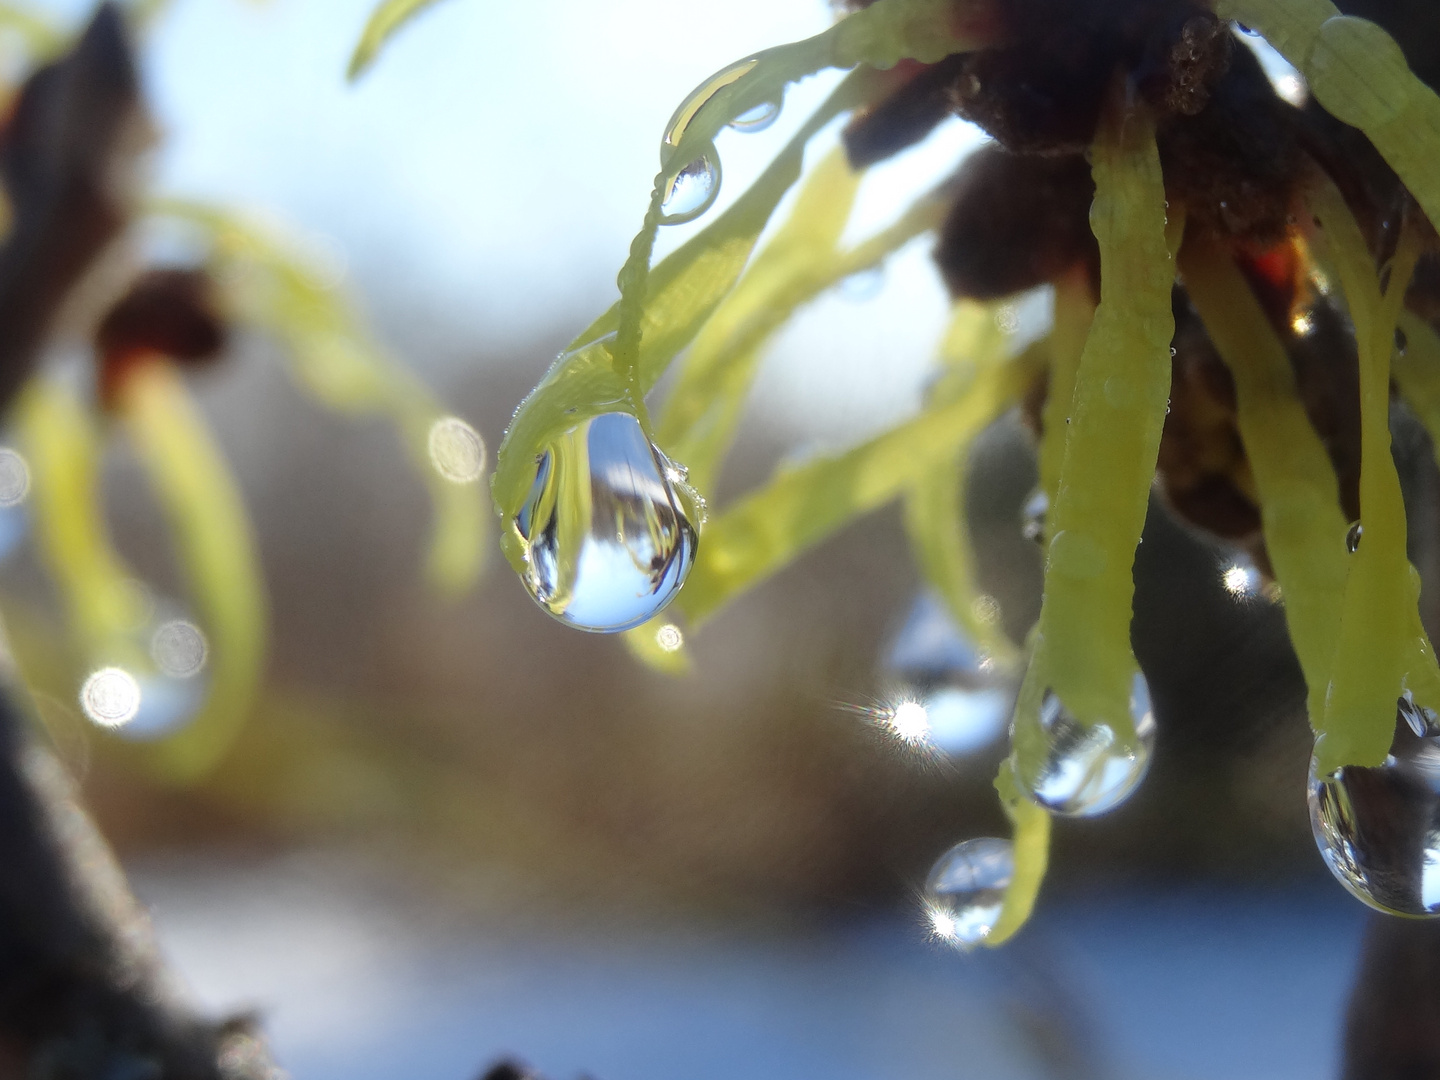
{"x": 1018, "y": 221}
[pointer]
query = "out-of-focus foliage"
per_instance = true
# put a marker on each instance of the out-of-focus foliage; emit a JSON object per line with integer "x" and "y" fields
{"x": 385, "y": 21}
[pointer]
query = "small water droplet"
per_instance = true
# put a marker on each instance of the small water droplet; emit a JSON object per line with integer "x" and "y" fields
{"x": 965, "y": 891}
{"x": 1378, "y": 829}
{"x": 1353, "y": 537}
{"x": 1401, "y": 341}
{"x": 1242, "y": 578}
{"x": 609, "y": 536}
{"x": 692, "y": 190}
{"x": 179, "y": 648}
{"x": 757, "y": 119}
{"x": 1032, "y": 516}
{"x": 456, "y": 450}
{"x": 949, "y": 694}
{"x": 14, "y": 477}
{"x": 1084, "y": 770}
{"x": 862, "y": 285}
{"x": 110, "y": 697}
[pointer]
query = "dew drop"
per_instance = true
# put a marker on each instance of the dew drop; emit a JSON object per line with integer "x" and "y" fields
{"x": 691, "y": 191}
{"x": 1378, "y": 829}
{"x": 948, "y": 694}
{"x": 456, "y": 450}
{"x": 110, "y": 697}
{"x": 1032, "y": 516}
{"x": 14, "y": 477}
{"x": 757, "y": 119}
{"x": 608, "y": 534}
{"x": 1353, "y": 537}
{"x": 698, "y": 98}
{"x": 1242, "y": 578}
{"x": 965, "y": 891}
{"x": 1084, "y": 770}
{"x": 179, "y": 648}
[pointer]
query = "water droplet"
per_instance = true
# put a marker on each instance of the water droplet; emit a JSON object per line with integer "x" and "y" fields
{"x": 1358, "y": 73}
{"x": 1242, "y": 578}
{"x": 949, "y": 694}
{"x": 1353, "y": 537}
{"x": 14, "y": 477}
{"x": 698, "y": 98}
{"x": 1378, "y": 829}
{"x": 456, "y": 450}
{"x": 608, "y": 535}
{"x": 1401, "y": 341}
{"x": 179, "y": 648}
{"x": 692, "y": 190}
{"x": 1032, "y": 516}
{"x": 757, "y": 119}
{"x": 862, "y": 285}
{"x": 110, "y": 697}
{"x": 965, "y": 891}
{"x": 1084, "y": 770}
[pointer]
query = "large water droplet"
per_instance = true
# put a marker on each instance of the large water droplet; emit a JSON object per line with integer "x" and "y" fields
{"x": 757, "y": 119}
{"x": 1085, "y": 769}
{"x": 1032, "y": 516}
{"x": 698, "y": 98}
{"x": 608, "y": 533}
{"x": 692, "y": 190}
{"x": 966, "y": 890}
{"x": 948, "y": 693}
{"x": 1379, "y": 829}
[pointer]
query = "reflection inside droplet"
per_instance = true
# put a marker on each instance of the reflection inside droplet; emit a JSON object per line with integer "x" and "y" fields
{"x": 110, "y": 697}
{"x": 456, "y": 450}
{"x": 1242, "y": 578}
{"x": 609, "y": 537}
{"x": 1084, "y": 769}
{"x": 1378, "y": 829}
{"x": 965, "y": 891}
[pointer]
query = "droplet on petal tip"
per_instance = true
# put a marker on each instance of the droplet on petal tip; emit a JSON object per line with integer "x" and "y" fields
{"x": 1085, "y": 770}
{"x": 965, "y": 891}
{"x": 1378, "y": 829}
{"x": 627, "y": 559}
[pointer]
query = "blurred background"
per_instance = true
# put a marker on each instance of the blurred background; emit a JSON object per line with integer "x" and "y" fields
{"x": 454, "y": 830}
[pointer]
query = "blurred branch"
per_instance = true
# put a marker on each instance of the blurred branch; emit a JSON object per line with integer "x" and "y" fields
{"x": 83, "y": 992}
